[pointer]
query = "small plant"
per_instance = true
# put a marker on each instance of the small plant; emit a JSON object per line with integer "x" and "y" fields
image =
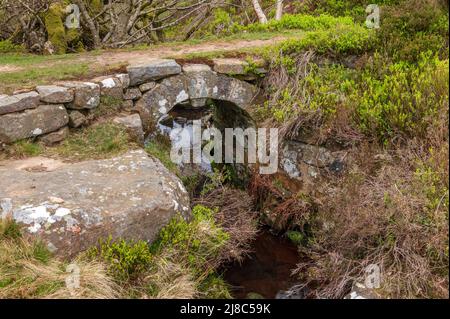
{"x": 9, "y": 229}
{"x": 125, "y": 260}
{"x": 199, "y": 241}
{"x": 294, "y": 236}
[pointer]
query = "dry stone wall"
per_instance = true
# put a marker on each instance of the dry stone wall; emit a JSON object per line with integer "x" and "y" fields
{"x": 150, "y": 90}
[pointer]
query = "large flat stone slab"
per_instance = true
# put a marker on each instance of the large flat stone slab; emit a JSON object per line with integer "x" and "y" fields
{"x": 71, "y": 206}
{"x": 152, "y": 70}
{"x": 30, "y": 123}
{"x": 18, "y": 102}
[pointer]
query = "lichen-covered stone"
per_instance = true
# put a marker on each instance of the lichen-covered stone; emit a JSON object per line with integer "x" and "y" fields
{"x": 54, "y": 94}
{"x": 147, "y": 86}
{"x": 71, "y": 206}
{"x": 30, "y": 123}
{"x": 124, "y": 78}
{"x": 152, "y": 70}
{"x": 133, "y": 124}
{"x": 55, "y": 137}
{"x": 132, "y": 94}
{"x": 18, "y": 102}
{"x": 110, "y": 86}
{"x": 76, "y": 119}
{"x": 87, "y": 95}
{"x": 304, "y": 161}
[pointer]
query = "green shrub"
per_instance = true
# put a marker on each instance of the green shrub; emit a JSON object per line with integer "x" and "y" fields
{"x": 199, "y": 241}
{"x": 299, "y": 21}
{"x": 404, "y": 100}
{"x": 340, "y": 40}
{"x": 126, "y": 260}
{"x": 412, "y": 27}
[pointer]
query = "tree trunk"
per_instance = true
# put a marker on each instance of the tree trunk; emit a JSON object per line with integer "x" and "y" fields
{"x": 259, "y": 12}
{"x": 279, "y": 13}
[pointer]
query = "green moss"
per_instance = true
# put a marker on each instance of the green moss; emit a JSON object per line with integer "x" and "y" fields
{"x": 55, "y": 27}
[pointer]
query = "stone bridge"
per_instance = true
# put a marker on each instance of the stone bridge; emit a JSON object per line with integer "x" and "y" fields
{"x": 151, "y": 90}
{"x": 192, "y": 83}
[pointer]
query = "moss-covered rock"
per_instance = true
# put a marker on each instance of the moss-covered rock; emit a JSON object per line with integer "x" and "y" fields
{"x": 53, "y": 20}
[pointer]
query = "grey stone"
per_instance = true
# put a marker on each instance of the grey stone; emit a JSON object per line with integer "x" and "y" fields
{"x": 360, "y": 291}
{"x": 76, "y": 119}
{"x": 55, "y": 137}
{"x": 132, "y": 94}
{"x": 133, "y": 124}
{"x": 240, "y": 68}
{"x": 147, "y": 86}
{"x": 300, "y": 159}
{"x": 18, "y": 102}
{"x": 230, "y": 66}
{"x": 195, "y": 68}
{"x": 152, "y": 70}
{"x": 87, "y": 95}
{"x": 129, "y": 197}
{"x": 55, "y": 94}
{"x": 127, "y": 105}
{"x": 124, "y": 78}
{"x": 30, "y": 123}
{"x": 110, "y": 86}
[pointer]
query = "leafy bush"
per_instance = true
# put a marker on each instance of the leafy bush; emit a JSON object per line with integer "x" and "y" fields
{"x": 126, "y": 260}
{"x": 199, "y": 241}
{"x": 413, "y": 27}
{"x": 404, "y": 100}
{"x": 299, "y": 21}
{"x": 340, "y": 40}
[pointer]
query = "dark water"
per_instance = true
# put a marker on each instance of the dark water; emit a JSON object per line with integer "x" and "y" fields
{"x": 267, "y": 270}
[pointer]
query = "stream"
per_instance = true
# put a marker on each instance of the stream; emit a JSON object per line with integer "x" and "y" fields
{"x": 266, "y": 272}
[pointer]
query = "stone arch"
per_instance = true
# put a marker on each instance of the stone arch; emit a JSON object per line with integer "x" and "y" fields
{"x": 196, "y": 84}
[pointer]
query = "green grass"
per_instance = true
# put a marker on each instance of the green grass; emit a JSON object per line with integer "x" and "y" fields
{"x": 160, "y": 149}
{"x": 30, "y": 70}
{"x": 95, "y": 142}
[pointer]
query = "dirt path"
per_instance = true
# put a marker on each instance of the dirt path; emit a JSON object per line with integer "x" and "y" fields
{"x": 109, "y": 58}
{"x": 130, "y": 57}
